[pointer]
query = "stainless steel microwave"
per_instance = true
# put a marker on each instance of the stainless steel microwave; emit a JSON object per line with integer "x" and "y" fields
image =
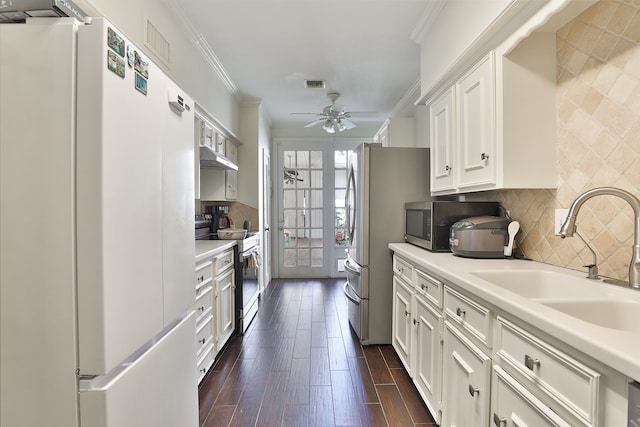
{"x": 428, "y": 224}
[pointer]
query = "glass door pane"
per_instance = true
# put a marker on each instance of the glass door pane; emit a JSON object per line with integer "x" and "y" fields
{"x": 302, "y": 211}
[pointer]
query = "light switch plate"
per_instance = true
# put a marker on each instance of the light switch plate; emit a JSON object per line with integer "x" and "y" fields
{"x": 561, "y": 215}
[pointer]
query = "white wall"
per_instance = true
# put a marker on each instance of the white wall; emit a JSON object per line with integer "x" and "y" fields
{"x": 188, "y": 67}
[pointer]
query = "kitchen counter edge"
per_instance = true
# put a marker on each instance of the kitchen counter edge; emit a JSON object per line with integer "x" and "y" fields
{"x": 208, "y": 248}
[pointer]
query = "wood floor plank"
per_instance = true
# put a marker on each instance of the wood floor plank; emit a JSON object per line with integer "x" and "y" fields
{"x": 320, "y": 371}
{"x": 284, "y": 355}
{"x": 337, "y": 355}
{"x": 362, "y": 381}
{"x": 235, "y": 382}
{"x": 377, "y": 365}
{"x": 391, "y": 357}
{"x": 394, "y": 407}
{"x": 372, "y": 415}
{"x": 321, "y": 407}
{"x": 295, "y": 415}
{"x": 302, "y": 346}
{"x": 298, "y": 385}
{"x": 318, "y": 334}
{"x": 272, "y": 408}
{"x": 220, "y": 416}
{"x": 416, "y": 407}
{"x": 345, "y": 401}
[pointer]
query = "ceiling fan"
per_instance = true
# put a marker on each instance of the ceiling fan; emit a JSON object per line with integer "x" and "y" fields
{"x": 334, "y": 118}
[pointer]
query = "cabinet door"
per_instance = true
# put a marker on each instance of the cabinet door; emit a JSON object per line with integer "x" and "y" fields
{"x": 475, "y": 96}
{"x": 401, "y": 322}
{"x": 513, "y": 406}
{"x": 226, "y": 307}
{"x": 466, "y": 389}
{"x": 428, "y": 355}
{"x": 441, "y": 117}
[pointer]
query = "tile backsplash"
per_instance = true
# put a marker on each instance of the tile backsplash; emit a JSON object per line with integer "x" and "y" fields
{"x": 598, "y": 136}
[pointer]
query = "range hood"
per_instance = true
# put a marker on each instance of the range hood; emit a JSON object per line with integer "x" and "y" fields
{"x": 20, "y": 10}
{"x": 209, "y": 159}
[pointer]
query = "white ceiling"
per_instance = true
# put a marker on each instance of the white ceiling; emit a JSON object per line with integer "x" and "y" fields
{"x": 268, "y": 48}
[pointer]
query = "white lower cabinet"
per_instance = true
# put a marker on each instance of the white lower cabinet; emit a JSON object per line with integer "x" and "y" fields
{"x": 476, "y": 366}
{"x": 466, "y": 383}
{"x": 215, "y": 307}
{"x": 512, "y": 405}
{"x": 401, "y": 321}
{"x": 427, "y": 373}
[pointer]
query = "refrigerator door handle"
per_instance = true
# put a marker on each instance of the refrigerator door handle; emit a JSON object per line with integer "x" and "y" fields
{"x": 348, "y": 295}
{"x": 350, "y": 204}
{"x": 348, "y": 265}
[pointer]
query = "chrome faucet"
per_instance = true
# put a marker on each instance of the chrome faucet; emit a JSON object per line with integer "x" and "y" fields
{"x": 569, "y": 226}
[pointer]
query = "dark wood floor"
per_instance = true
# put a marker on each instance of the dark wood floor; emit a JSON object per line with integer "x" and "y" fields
{"x": 299, "y": 364}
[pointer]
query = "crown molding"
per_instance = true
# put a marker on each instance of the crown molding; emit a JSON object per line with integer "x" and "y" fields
{"x": 202, "y": 46}
{"x": 426, "y": 20}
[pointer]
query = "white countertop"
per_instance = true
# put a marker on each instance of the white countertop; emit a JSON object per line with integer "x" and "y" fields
{"x": 207, "y": 248}
{"x": 617, "y": 349}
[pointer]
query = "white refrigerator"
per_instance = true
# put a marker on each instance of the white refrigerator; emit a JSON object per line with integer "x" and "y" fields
{"x": 96, "y": 215}
{"x": 380, "y": 181}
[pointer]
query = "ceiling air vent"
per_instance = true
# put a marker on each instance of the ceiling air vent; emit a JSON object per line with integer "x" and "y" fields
{"x": 314, "y": 84}
{"x": 158, "y": 44}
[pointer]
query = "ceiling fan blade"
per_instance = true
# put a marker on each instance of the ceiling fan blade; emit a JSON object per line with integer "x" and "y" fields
{"x": 313, "y": 114}
{"x": 314, "y": 123}
{"x": 362, "y": 114}
{"x": 348, "y": 123}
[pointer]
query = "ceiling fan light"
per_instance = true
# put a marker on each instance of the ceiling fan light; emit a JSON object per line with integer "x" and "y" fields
{"x": 328, "y": 126}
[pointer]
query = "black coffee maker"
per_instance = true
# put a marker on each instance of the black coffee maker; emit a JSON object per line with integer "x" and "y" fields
{"x": 220, "y": 217}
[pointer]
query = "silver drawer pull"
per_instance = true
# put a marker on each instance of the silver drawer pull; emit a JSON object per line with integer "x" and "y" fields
{"x": 415, "y": 322}
{"x": 473, "y": 390}
{"x": 201, "y": 308}
{"x": 424, "y": 287}
{"x": 201, "y": 341}
{"x": 406, "y": 313}
{"x": 530, "y": 362}
{"x": 499, "y": 421}
{"x": 484, "y": 156}
{"x": 460, "y": 312}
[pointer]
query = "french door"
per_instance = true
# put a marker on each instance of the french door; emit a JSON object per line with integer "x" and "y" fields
{"x": 310, "y": 181}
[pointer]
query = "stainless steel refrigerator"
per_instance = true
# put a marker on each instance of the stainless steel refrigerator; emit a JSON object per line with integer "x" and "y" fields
{"x": 380, "y": 181}
{"x": 97, "y": 251}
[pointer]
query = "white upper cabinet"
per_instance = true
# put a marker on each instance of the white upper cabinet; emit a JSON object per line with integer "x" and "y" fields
{"x": 442, "y": 138}
{"x": 475, "y": 108}
{"x": 498, "y": 131}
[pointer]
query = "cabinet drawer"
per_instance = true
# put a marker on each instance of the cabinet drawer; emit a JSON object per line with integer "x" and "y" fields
{"x": 403, "y": 269}
{"x": 204, "y": 333}
{"x": 222, "y": 262}
{"x": 469, "y": 315}
{"x": 429, "y": 287}
{"x": 205, "y": 361}
{"x": 203, "y": 274}
{"x": 556, "y": 374}
{"x": 204, "y": 302}
{"x": 513, "y": 405}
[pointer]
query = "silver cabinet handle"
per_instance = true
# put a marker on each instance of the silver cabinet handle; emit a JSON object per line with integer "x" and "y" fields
{"x": 406, "y": 313}
{"x": 424, "y": 287}
{"x": 201, "y": 341}
{"x": 460, "y": 312}
{"x": 447, "y": 168}
{"x": 530, "y": 362}
{"x": 499, "y": 421}
{"x": 484, "y": 156}
{"x": 415, "y": 322}
{"x": 473, "y": 390}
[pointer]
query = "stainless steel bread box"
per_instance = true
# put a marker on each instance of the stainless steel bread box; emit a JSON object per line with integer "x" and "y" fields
{"x": 479, "y": 237}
